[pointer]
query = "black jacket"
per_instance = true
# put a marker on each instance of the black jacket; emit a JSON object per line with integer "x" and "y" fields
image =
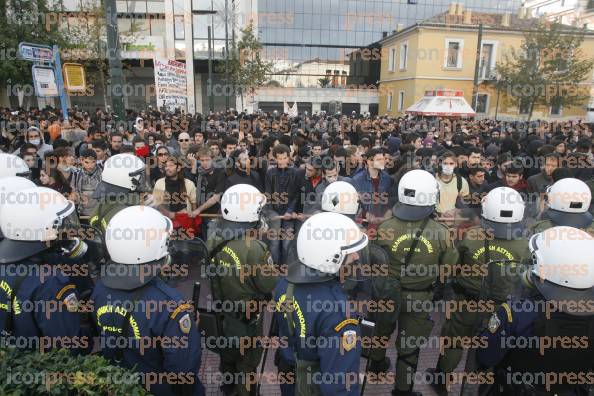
{"x": 282, "y": 201}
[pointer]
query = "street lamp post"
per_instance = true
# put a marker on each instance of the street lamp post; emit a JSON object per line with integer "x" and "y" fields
{"x": 226, "y": 55}
{"x": 114, "y": 58}
{"x": 209, "y": 86}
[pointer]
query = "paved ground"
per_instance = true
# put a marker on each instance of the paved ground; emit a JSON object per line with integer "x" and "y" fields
{"x": 210, "y": 360}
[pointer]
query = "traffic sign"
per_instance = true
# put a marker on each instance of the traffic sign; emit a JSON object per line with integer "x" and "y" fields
{"x": 36, "y": 52}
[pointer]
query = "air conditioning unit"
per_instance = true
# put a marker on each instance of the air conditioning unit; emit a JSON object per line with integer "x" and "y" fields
{"x": 488, "y": 75}
{"x": 491, "y": 76}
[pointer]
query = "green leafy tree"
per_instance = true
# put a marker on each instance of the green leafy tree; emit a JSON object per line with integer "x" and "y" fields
{"x": 89, "y": 36}
{"x": 324, "y": 82}
{"x": 247, "y": 70}
{"x": 548, "y": 68}
{"x": 33, "y": 21}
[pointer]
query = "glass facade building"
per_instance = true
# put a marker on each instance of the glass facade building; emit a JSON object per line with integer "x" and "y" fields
{"x": 310, "y": 41}
{"x": 313, "y": 44}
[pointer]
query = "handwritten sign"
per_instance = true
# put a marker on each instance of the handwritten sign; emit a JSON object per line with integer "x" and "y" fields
{"x": 170, "y": 84}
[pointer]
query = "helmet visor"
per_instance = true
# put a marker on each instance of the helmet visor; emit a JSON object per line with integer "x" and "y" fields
{"x": 356, "y": 246}
{"x": 67, "y": 223}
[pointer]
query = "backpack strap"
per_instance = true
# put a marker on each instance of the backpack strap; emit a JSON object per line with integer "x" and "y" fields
{"x": 415, "y": 242}
{"x": 119, "y": 353}
{"x": 289, "y": 303}
{"x": 487, "y": 255}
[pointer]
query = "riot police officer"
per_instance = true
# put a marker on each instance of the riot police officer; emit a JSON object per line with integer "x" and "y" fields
{"x": 39, "y": 303}
{"x": 568, "y": 201}
{"x": 417, "y": 246}
{"x": 142, "y": 322}
{"x": 365, "y": 275}
{"x": 500, "y": 237}
{"x": 122, "y": 184}
{"x": 323, "y": 340}
{"x": 12, "y": 165}
{"x": 243, "y": 276}
{"x": 524, "y": 334}
{"x": 342, "y": 197}
{"x": 338, "y": 197}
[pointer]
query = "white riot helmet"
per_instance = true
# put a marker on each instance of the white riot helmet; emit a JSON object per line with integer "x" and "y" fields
{"x": 12, "y": 165}
{"x": 135, "y": 237}
{"x": 569, "y": 200}
{"x": 10, "y": 186}
{"x": 125, "y": 171}
{"x": 242, "y": 203}
{"x": 418, "y": 193}
{"x": 503, "y": 212}
{"x": 33, "y": 221}
{"x": 325, "y": 239}
{"x": 563, "y": 264}
{"x": 340, "y": 197}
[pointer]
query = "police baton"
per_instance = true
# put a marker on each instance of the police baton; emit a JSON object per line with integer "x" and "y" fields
{"x": 196, "y": 297}
{"x": 271, "y": 332}
{"x": 367, "y": 327}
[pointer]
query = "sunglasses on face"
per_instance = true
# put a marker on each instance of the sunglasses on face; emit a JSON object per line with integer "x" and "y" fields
{"x": 162, "y": 155}
{"x": 183, "y": 140}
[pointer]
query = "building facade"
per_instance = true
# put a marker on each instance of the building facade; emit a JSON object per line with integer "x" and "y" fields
{"x": 321, "y": 51}
{"x": 311, "y": 42}
{"x": 568, "y": 12}
{"x": 441, "y": 53}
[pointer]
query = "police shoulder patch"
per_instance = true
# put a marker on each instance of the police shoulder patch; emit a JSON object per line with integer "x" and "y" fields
{"x": 63, "y": 291}
{"x": 494, "y": 323}
{"x": 185, "y": 323}
{"x": 180, "y": 308}
{"x": 349, "y": 340}
{"x": 345, "y": 322}
{"x": 71, "y": 302}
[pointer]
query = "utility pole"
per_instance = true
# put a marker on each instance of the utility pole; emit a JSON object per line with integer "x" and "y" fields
{"x": 114, "y": 58}
{"x": 198, "y": 12}
{"x": 497, "y": 103}
{"x": 209, "y": 87}
{"x": 226, "y": 54}
{"x": 477, "y": 68}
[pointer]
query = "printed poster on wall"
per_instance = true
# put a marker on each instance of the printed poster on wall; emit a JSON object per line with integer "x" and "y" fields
{"x": 170, "y": 84}
{"x": 44, "y": 80}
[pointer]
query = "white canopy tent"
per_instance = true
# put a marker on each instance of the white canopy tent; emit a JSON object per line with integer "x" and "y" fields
{"x": 442, "y": 103}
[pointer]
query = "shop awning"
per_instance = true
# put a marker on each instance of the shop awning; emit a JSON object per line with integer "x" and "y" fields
{"x": 443, "y": 103}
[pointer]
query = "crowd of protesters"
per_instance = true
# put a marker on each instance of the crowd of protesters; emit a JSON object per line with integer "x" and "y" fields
{"x": 192, "y": 159}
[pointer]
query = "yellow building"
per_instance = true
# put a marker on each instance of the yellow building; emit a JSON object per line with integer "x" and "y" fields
{"x": 441, "y": 52}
